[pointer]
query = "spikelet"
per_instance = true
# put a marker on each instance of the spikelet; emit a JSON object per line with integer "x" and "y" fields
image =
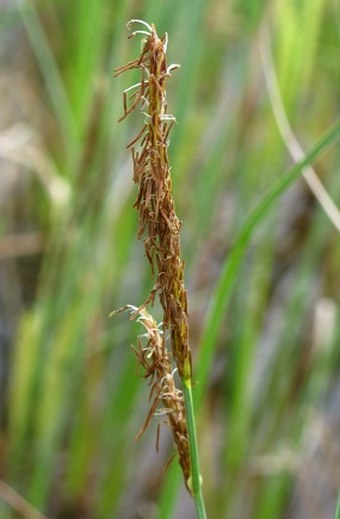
{"x": 159, "y": 227}
{"x": 166, "y": 399}
{"x": 158, "y": 222}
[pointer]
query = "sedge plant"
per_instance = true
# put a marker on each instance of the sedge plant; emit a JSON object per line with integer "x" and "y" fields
{"x": 167, "y": 348}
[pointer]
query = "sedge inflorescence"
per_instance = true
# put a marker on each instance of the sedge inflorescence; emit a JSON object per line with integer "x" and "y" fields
{"x": 160, "y": 228}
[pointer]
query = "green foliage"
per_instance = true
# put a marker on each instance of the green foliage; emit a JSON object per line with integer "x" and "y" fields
{"x": 75, "y": 402}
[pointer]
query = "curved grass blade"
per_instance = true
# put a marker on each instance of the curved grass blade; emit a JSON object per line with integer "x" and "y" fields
{"x": 337, "y": 511}
{"x": 229, "y": 273}
{"x": 227, "y": 279}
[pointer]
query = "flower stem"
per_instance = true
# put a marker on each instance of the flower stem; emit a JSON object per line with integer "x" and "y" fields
{"x": 196, "y": 479}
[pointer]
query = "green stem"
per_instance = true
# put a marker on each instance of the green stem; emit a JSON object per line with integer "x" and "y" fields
{"x": 196, "y": 479}
{"x": 337, "y": 511}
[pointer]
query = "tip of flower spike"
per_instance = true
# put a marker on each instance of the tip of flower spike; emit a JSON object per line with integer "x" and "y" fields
{"x": 165, "y": 44}
{"x": 132, "y": 308}
{"x": 142, "y": 22}
{"x": 174, "y": 66}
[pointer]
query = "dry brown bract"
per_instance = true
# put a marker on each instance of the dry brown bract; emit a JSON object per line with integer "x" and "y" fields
{"x": 160, "y": 227}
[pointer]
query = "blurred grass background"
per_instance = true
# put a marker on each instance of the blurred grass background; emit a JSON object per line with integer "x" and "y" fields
{"x": 71, "y": 403}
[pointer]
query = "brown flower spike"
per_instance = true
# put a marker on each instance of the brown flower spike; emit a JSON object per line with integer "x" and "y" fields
{"x": 160, "y": 228}
{"x": 166, "y": 399}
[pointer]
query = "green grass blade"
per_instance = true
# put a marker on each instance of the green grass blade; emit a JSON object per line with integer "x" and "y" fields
{"x": 170, "y": 490}
{"x": 337, "y": 511}
{"x": 49, "y": 69}
{"x": 87, "y": 53}
{"x": 228, "y": 276}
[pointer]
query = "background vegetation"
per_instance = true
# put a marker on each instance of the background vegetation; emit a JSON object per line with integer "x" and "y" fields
{"x": 267, "y": 364}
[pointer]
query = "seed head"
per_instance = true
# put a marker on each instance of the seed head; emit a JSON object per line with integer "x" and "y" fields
{"x": 159, "y": 227}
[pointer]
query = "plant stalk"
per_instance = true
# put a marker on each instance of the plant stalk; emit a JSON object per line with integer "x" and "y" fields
{"x": 196, "y": 479}
{"x": 160, "y": 227}
{"x": 337, "y": 511}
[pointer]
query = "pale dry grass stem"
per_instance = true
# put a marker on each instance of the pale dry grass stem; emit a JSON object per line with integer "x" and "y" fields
{"x": 311, "y": 178}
